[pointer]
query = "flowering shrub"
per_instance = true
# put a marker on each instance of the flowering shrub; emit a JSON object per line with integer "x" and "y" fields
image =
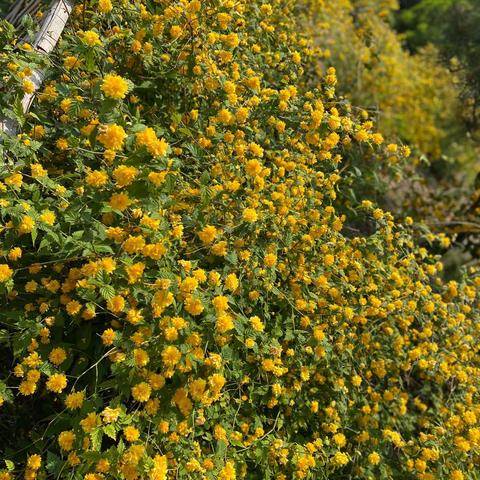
{"x": 183, "y": 294}
{"x": 415, "y": 97}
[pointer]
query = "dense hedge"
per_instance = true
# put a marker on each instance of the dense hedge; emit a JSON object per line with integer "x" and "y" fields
{"x": 187, "y": 292}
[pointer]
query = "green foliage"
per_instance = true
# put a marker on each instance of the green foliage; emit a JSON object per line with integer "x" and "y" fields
{"x": 197, "y": 280}
{"x": 452, "y": 26}
{"x": 4, "y": 7}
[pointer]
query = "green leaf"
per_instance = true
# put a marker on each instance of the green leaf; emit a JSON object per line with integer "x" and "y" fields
{"x": 221, "y": 449}
{"x": 205, "y": 178}
{"x": 96, "y": 438}
{"x": 90, "y": 61}
{"x": 107, "y": 292}
{"x": 231, "y": 257}
{"x": 54, "y": 464}
{"x": 34, "y": 235}
{"x": 109, "y": 431}
{"x": 18, "y": 110}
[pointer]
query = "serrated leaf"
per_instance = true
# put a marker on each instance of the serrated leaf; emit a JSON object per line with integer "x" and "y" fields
{"x": 54, "y": 464}
{"x": 109, "y": 431}
{"x": 96, "y": 438}
{"x": 107, "y": 292}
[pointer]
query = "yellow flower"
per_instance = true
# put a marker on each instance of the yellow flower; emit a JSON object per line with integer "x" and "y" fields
{"x": 62, "y": 144}
{"x": 134, "y": 244}
{"x": 124, "y": 175}
{"x": 250, "y": 215}
{"x": 141, "y": 357}
{"x": 136, "y": 46}
{"x": 131, "y": 433}
{"x": 155, "y": 146}
{"x": 5, "y": 273}
{"x": 27, "y": 388}
{"x": 256, "y": 149}
{"x": 224, "y": 20}
{"x": 339, "y": 439}
{"x": 224, "y": 323}
{"x": 141, "y": 392}
{"x": 15, "y": 253}
{"x": 48, "y": 217}
{"x": 14, "y": 180}
{"x": 70, "y": 62}
{"x": 216, "y": 382}
{"x": 270, "y": 259}
{"x": 176, "y": 31}
{"x": 257, "y": 324}
{"x": 37, "y": 132}
{"x": 96, "y": 178}
{"x": 28, "y": 86}
{"x": 105, "y": 6}
{"x": 171, "y": 356}
{"x": 112, "y": 137}
{"x": 57, "y": 356}
{"x": 103, "y": 465}
{"x": 74, "y": 400}
{"x": 73, "y": 307}
{"x": 207, "y": 234}
{"x": 231, "y": 282}
{"x": 374, "y": 458}
{"x": 135, "y": 272}
{"x": 146, "y": 136}
{"x": 37, "y": 170}
{"x": 57, "y": 382}
{"x": 356, "y": 380}
{"x": 405, "y": 151}
{"x": 160, "y": 468}
{"x": 66, "y": 439}
{"x": 329, "y": 259}
{"x": 108, "y": 337}
{"x": 110, "y": 414}
{"x": 194, "y": 306}
{"x": 120, "y": 201}
{"x": 188, "y": 285}
{"x": 34, "y": 462}
{"x": 220, "y": 303}
{"x": 158, "y": 178}
{"x": 33, "y": 376}
{"x": 253, "y": 167}
{"x": 91, "y": 38}
{"x": 228, "y": 472}
{"x": 340, "y": 459}
{"x": 361, "y": 135}
{"x": 114, "y": 86}
{"x": 158, "y": 147}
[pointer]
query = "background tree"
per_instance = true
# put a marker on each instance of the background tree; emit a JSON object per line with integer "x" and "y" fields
{"x": 452, "y": 26}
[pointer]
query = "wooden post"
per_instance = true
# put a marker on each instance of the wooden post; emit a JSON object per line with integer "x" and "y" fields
{"x": 45, "y": 41}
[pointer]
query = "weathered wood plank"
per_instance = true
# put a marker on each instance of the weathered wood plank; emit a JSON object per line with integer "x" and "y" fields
{"x": 22, "y": 8}
{"x": 44, "y": 43}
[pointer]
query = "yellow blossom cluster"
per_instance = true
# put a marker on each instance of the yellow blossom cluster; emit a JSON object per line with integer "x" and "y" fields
{"x": 190, "y": 286}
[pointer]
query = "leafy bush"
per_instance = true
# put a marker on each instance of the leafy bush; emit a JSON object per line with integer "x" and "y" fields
{"x": 414, "y": 96}
{"x": 183, "y": 294}
{"x": 452, "y": 27}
